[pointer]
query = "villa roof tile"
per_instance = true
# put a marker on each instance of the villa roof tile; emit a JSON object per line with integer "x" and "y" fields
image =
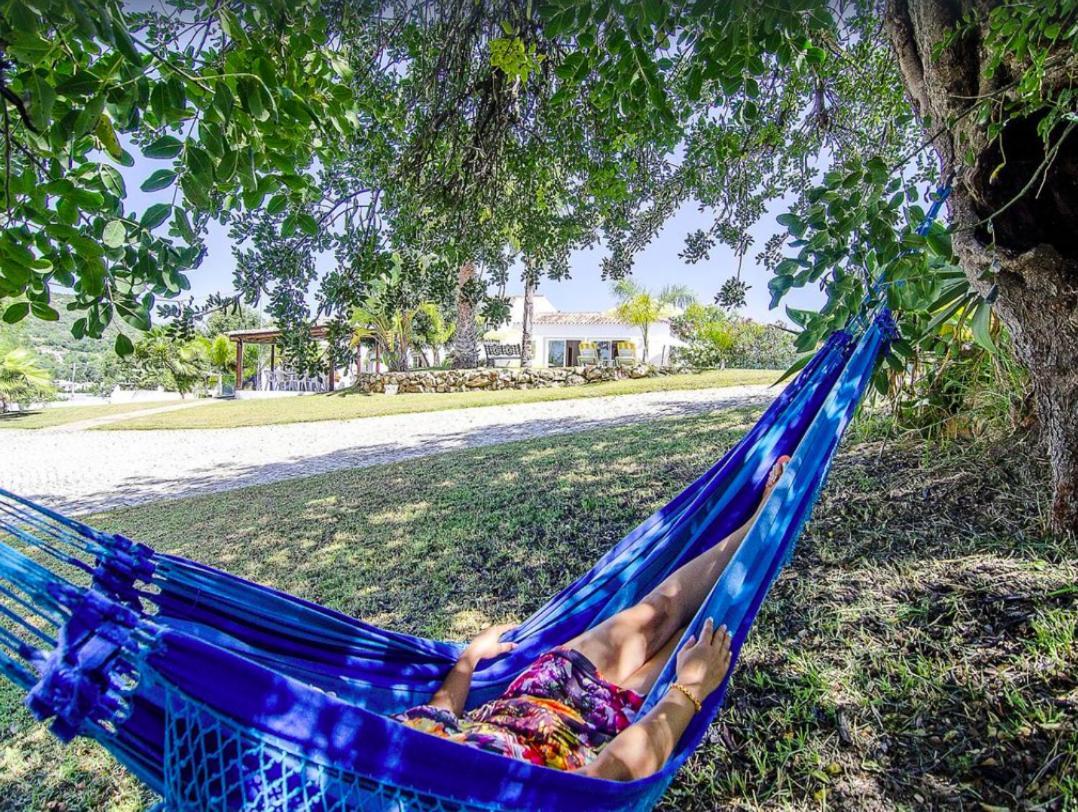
{"x": 577, "y": 318}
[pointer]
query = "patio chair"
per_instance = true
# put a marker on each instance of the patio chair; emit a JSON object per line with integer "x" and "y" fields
{"x": 626, "y": 354}
{"x": 589, "y": 353}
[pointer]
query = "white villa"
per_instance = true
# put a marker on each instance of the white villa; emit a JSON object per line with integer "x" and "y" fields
{"x": 556, "y": 334}
{"x": 556, "y": 340}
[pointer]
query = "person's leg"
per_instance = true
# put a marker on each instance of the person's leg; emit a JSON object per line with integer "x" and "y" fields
{"x": 644, "y": 677}
{"x": 622, "y": 644}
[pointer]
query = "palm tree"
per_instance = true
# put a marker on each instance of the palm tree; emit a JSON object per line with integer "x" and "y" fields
{"x": 219, "y": 355}
{"x": 465, "y": 352}
{"x": 22, "y": 381}
{"x": 182, "y": 363}
{"x": 641, "y": 307}
{"x": 390, "y": 322}
{"x": 526, "y": 321}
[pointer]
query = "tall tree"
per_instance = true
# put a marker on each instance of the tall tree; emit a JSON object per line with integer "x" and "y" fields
{"x": 528, "y": 314}
{"x": 22, "y": 381}
{"x": 237, "y": 99}
{"x": 808, "y": 101}
{"x": 465, "y": 351}
{"x": 996, "y": 85}
{"x": 641, "y": 307}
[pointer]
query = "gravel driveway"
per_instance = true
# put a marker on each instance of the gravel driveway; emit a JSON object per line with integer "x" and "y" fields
{"x": 87, "y": 471}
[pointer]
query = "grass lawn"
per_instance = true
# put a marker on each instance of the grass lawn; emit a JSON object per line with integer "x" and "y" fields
{"x": 919, "y": 652}
{"x": 62, "y": 415}
{"x": 350, "y": 404}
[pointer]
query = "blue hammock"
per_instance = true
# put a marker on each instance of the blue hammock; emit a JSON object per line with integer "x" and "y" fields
{"x": 223, "y": 694}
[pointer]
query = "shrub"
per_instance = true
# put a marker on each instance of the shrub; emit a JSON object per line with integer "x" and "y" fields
{"x": 961, "y": 390}
{"x": 22, "y": 381}
{"x": 714, "y": 338}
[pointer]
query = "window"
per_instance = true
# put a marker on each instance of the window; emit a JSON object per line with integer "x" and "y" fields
{"x": 606, "y": 352}
{"x": 555, "y": 353}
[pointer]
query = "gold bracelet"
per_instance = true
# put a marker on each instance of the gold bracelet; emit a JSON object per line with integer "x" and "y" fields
{"x": 692, "y": 697}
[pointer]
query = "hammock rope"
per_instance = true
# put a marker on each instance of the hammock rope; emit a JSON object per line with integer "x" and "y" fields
{"x": 220, "y": 693}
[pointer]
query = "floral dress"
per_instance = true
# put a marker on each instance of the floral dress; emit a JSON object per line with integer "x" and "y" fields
{"x": 559, "y": 713}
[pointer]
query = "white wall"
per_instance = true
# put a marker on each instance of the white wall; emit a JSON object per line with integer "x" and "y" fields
{"x": 144, "y": 395}
{"x": 660, "y": 339}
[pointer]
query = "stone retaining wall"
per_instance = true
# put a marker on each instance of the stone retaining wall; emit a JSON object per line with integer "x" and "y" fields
{"x": 465, "y": 380}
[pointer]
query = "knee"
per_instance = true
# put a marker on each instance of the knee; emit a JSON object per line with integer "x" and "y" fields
{"x": 661, "y": 608}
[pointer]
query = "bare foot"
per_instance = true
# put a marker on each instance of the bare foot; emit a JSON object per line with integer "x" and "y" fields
{"x": 776, "y": 474}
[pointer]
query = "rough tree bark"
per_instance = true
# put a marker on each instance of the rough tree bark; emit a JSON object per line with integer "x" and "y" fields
{"x": 1030, "y": 254}
{"x": 465, "y": 351}
{"x": 526, "y": 321}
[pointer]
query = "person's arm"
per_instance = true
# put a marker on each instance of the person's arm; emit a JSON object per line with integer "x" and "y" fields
{"x": 453, "y": 694}
{"x": 644, "y": 747}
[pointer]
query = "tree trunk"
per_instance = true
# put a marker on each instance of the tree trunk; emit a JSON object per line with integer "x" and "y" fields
{"x": 526, "y": 321}
{"x": 465, "y": 352}
{"x": 1030, "y": 256}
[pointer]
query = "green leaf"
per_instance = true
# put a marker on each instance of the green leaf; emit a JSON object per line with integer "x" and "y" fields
{"x": 92, "y": 278}
{"x": 981, "y": 325}
{"x": 167, "y": 146}
{"x": 226, "y": 167}
{"x": 155, "y": 215}
{"x": 879, "y": 380}
{"x": 82, "y": 83}
{"x": 161, "y": 179}
{"x": 230, "y": 24}
{"x": 289, "y": 225}
{"x": 115, "y": 234}
{"x": 106, "y": 134}
{"x": 124, "y": 44}
{"x": 183, "y": 226}
{"x": 200, "y": 164}
{"x": 940, "y": 243}
{"x": 277, "y": 204}
{"x": 799, "y": 317}
{"x": 86, "y": 247}
{"x": 43, "y": 312}
{"x": 792, "y": 222}
{"x": 124, "y": 347}
{"x": 42, "y": 99}
{"x": 778, "y": 285}
{"x": 113, "y": 181}
{"x": 17, "y": 312}
{"x": 136, "y": 317}
{"x": 796, "y": 366}
{"x": 788, "y": 267}
{"x": 195, "y": 191}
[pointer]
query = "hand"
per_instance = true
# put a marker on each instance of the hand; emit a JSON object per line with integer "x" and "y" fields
{"x": 702, "y": 664}
{"x": 487, "y": 644}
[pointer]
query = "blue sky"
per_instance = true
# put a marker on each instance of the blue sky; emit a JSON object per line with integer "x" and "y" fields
{"x": 658, "y": 265}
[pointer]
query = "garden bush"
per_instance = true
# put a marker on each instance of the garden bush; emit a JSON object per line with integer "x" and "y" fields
{"x": 715, "y": 338}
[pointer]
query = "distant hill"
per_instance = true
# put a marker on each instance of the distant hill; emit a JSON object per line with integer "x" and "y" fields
{"x": 59, "y": 351}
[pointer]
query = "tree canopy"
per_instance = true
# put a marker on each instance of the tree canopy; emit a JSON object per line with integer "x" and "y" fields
{"x": 386, "y": 131}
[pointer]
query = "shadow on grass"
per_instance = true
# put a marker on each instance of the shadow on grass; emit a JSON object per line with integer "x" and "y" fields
{"x": 16, "y": 417}
{"x": 919, "y": 652}
{"x": 418, "y": 439}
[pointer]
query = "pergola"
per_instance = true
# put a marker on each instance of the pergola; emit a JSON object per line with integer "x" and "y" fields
{"x": 260, "y": 335}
